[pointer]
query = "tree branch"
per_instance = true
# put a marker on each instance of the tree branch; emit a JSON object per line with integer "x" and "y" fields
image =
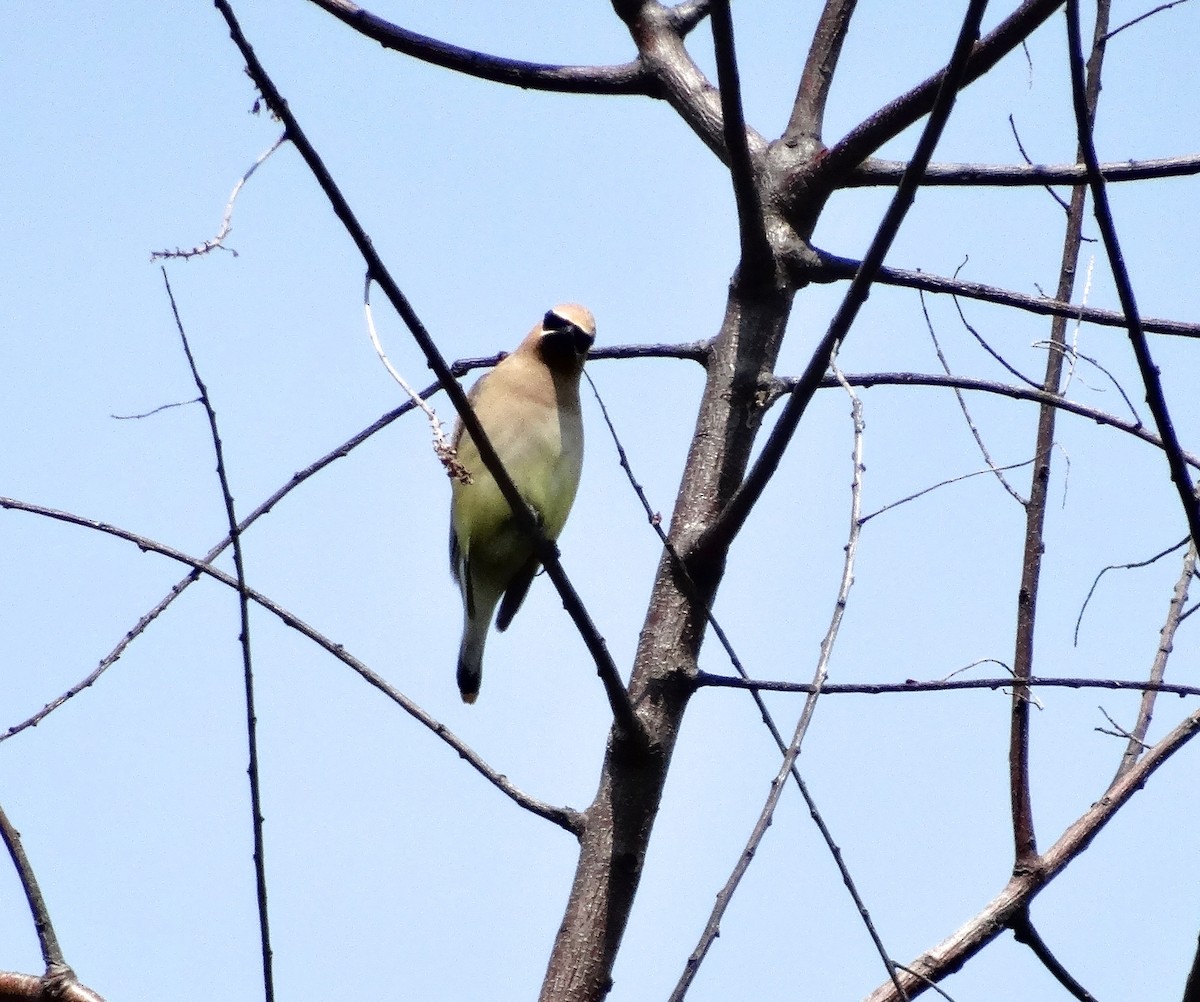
{"x": 719, "y": 535}
{"x": 1166, "y": 644}
{"x": 807, "y": 121}
{"x": 1155, "y": 397}
{"x": 684, "y": 86}
{"x": 256, "y": 815}
{"x": 547, "y": 552}
{"x": 628, "y": 78}
{"x": 873, "y": 172}
{"x": 709, "y": 680}
{"x": 951, "y": 954}
{"x": 896, "y": 116}
{"x": 833, "y": 268}
{"x": 564, "y": 817}
{"x": 757, "y": 261}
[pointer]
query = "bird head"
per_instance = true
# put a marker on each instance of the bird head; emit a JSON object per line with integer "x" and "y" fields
{"x": 567, "y": 333}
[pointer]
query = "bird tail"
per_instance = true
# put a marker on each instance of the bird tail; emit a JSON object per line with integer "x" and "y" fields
{"x": 470, "y": 660}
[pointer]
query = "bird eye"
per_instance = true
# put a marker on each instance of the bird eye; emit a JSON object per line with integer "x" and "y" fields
{"x": 555, "y": 322}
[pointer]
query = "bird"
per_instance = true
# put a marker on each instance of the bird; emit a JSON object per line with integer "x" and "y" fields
{"x": 528, "y": 406}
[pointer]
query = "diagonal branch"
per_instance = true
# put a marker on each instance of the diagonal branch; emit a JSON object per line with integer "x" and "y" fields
{"x": 808, "y": 111}
{"x": 757, "y": 261}
{"x": 833, "y": 268}
{"x": 628, "y": 78}
{"x": 1023, "y": 887}
{"x": 618, "y": 697}
{"x": 1155, "y": 397}
{"x": 719, "y": 535}
{"x": 896, "y": 116}
{"x": 564, "y": 817}
{"x": 873, "y": 172}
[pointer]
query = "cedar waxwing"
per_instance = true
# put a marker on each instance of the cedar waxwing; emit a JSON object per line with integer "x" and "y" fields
{"x": 529, "y": 407}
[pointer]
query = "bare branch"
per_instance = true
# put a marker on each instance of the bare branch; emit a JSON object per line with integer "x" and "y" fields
{"x": 628, "y": 78}
{"x": 687, "y": 15}
{"x": 256, "y": 814}
{"x": 1024, "y": 886}
{"x": 833, "y": 267}
{"x": 729, "y": 523}
{"x": 807, "y": 121}
{"x": 213, "y": 243}
{"x": 1121, "y": 567}
{"x": 872, "y": 172}
{"x": 1166, "y": 643}
{"x": 564, "y": 817}
{"x": 547, "y": 552}
{"x": 962, "y": 405}
{"x": 712, "y": 927}
{"x": 16, "y": 987}
{"x": 52, "y": 954}
{"x": 1155, "y": 397}
{"x": 898, "y": 115}
{"x": 1025, "y": 932}
{"x": 709, "y": 680}
{"x": 757, "y": 261}
{"x": 682, "y": 83}
{"x": 1142, "y": 17}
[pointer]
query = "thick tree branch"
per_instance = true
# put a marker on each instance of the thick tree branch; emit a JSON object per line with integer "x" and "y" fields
{"x": 719, "y": 535}
{"x": 807, "y": 121}
{"x": 547, "y": 552}
{"x": 873, "y": 172}
{"x": 684, "y": 86}
{"x": 16, "y": 987}
{"x": 757, "y": 261}
{"x": 628, "y": 78}
{"x": 1155, "y": 397}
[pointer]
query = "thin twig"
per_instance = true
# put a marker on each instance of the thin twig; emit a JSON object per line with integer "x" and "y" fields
{"x": 547, "y": 552}
{"x": 713, "y": 926}
{"x": 832, "y": 268}
{"x": 768, "y": 720}
{"x": 1025, "y": 932}
{"x": 256, "y": 815}
{"x": 1142, "y": 17}
{"x": 709, "y": 680}
{"x": 446, "y": 453}
{"x": 1151, "y": 378}
{"x": 1134, "y": 565}
{"x": 1012, "y": 125}
{"x": 1166, "y": 643}
{"x": 565, "y": 818}
{"x": 227, "y": 220}
{"x": 962, "y": 404}
{"x": 719, "y": 535}
{"x": 997, "y": 470}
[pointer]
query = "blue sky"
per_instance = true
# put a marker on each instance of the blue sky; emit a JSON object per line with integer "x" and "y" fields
{"x": 389, "y": 861}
